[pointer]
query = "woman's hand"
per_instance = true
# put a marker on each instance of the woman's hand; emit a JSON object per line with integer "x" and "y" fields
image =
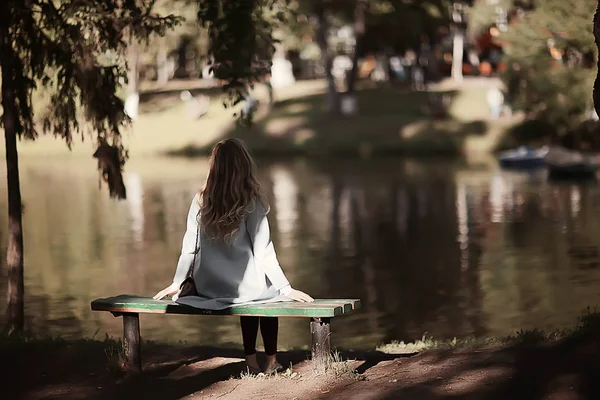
{"x": 302, "y": 297}
{"x": 168, "y": 291}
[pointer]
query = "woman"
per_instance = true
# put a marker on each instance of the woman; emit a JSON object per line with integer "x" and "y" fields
{"x": 229, "y": 243}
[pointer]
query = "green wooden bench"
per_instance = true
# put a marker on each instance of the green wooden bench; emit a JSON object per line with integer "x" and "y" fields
{"x": 130, "y": 307}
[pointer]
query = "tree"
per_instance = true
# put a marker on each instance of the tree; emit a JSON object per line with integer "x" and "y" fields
{"x": 360, "y": 10}
{"x": 159, "y": 47}
{"x": 321, "y": 14}
{"x": 379, "y": 26}
{"x": 241, "y": 43}
{"x": 188, "y": 34}
{"x": 457, "y": 29}
{"x": 77, "y": 51}
{"x": 550, "y": 53}
{"x": 74, "y": 49}
{"x": 596, "y": 94}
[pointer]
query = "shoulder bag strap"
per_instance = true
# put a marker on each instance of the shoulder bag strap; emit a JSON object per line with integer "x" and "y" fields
{"x": 196, "y": 249}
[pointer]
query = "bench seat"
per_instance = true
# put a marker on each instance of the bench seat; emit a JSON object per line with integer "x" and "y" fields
{"x": 320, "y": 313}
{"x": 320, "y": 308}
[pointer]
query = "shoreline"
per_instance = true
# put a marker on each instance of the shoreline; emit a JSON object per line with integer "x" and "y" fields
{"x": 391, "y": 120}
{"x": 530, "y": 364}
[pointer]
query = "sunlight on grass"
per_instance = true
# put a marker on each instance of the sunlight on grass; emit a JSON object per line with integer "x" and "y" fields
{"x": 281, "y": 126}
{"x": 338, "y": 367}
{"x": 390, "y": 120}
{"x": 429, "y": 343}
{"x": 299, "y": 108}
{"x": 469, "y": 105}
{"x": 287, "y": 374}
{"x": 587, "y": 324}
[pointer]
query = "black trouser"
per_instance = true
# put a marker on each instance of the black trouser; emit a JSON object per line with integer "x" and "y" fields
{"x": 268, "y": 329}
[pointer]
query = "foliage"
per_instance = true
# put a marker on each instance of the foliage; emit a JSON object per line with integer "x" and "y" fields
{"x": 241, "y": 41}
{"x": 287, "y": 374}
{"x": 188, "y": 30}
{"x": 399, "y": 25}
{"x": 76, "y": 50}
{"x": 429, "y": 343}
{"x": 550, "y": 53}
{"x": 528, "y": 337}
{"x": 588, "y": 323}
{"x": 483, "y": 14}
{"x": 338, "y": 367}
{"x": 390, "y": 24}
{"x": 30, "y": 340}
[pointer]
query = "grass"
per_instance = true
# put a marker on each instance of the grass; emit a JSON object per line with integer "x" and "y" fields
{"x": 112, "y": 348}
{"x": 335, "y": 366}
{"x": 390, "y": 120}
{"x": 32, "y": 341}
{"x": 108, "y": 353}
{"x": 587, "y": 324}
{"x": 115, "y": 357}
{"x": 338, "y": 367}
{"x": 287, "y": 374}
{"x": 429, "y": 343}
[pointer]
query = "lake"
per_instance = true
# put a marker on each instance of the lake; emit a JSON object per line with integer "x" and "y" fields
{"x": 432, "y": 246}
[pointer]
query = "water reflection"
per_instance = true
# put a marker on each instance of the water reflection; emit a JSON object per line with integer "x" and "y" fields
{"x": 430, "y": 247}
{"x": 135, "y": 195}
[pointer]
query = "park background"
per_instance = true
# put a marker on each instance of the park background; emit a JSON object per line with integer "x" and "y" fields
{"x": 375, "y": 135}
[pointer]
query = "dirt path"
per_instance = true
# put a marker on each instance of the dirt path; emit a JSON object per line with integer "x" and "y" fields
{"x": 558, "y": 370}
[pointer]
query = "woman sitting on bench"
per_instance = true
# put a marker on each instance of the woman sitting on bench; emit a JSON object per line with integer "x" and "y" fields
{"x": 227, "y": 254}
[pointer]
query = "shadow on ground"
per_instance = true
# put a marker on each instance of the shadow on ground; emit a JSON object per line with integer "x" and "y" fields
{"x": 559, "y": 370}
{"x": 83, "y": 370}
{"x": 156, "y": 101}
{"x": 390, "y": 120}
{"x": 566, "y": 369}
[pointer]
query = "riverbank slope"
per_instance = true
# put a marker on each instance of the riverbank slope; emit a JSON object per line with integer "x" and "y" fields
{"x": 529, "y": 366}
{"x": 391, "y": 119}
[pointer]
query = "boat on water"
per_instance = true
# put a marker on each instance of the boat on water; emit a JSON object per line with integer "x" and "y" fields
{"x": 576, "y": 171}
{"x": 523, "y": 157}
{"x": 568, "y": 164}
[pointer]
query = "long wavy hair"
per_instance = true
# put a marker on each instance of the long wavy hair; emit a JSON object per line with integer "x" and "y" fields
{"x": 231, "y": 192}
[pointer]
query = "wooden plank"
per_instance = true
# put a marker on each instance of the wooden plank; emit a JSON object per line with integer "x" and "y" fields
{"x": 320, "y": 308}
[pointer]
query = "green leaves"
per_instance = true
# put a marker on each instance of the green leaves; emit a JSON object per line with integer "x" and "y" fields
{"x": 552, "y": 45}
{"x": 61, "y": 45}
{"x": 241, "y": 41}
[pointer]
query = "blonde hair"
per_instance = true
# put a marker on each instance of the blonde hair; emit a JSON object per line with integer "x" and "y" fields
{"x": 231, "y": 192}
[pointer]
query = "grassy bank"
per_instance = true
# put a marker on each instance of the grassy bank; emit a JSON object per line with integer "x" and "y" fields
{"x": 529, "y": 364}
{"x": 586, "y": 325}
{"x": 390, "y": 120}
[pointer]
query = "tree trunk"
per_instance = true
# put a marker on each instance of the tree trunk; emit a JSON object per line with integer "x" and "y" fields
{"x": 457, "y": 56}
{"x": 14, "y": 252}
{"x": 133, "y": 58}
{"x": 162, "y": 66}
{"x": 458, "y": 45}
{"x": 349, "y": 106}
{"x": 597, "y": 39}
{"x": 332, "y": 94}
{"x": 133, "y": 98}
{"x": 359, "y": 33}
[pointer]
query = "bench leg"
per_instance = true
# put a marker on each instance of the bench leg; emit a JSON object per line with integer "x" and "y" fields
{"x": 320, "y": 329}
{"x": 131, "y": 344}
